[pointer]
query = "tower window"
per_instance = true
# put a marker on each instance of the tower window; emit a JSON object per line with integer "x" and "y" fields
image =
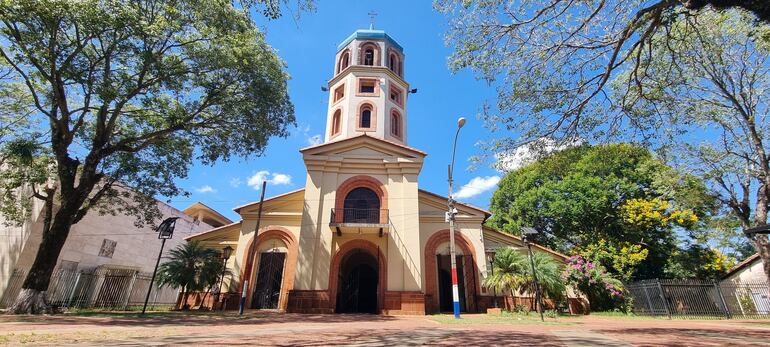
{"x": 336, "y": 122}
{"x": 397, "y": 96}
{"x": 395, "y": 124}
{"x": 339, "y": 93}
{"x": 344, "y": 61}
{"x": 369, "y": 54}
{"x": 368, "y": 87}
{"x": 394, "y": 63}
{"x": 369, "y": 57}
{"x": 366, "y": 118}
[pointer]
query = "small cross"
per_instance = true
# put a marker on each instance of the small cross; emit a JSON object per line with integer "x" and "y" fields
{"x": 372, "y": 15}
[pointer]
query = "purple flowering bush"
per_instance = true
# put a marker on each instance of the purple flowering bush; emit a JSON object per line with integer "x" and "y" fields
{"x": 604, "y": 292}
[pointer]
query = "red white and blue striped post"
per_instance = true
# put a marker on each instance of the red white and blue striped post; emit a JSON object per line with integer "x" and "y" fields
{"x": 451, "y": 218}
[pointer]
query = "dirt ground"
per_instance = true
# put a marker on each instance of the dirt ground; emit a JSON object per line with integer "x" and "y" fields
{"x": 269, "y": 328}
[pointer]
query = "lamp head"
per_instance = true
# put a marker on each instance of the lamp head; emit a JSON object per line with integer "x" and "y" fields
{"x": 227, "y": 252}
{"x": 460, "y": 122}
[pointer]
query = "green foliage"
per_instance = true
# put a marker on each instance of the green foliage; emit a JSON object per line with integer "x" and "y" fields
{"x": 143, "y": 88}
{"x": 190, "y": 266}
{"x": 698, "y": 261}
{"x": 513, "y": 273}
{"x": 594, "y": 197}
{"x": 621, "y": 259}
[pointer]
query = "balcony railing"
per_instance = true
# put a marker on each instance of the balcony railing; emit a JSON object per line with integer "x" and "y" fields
{"x": 359, "y": 216}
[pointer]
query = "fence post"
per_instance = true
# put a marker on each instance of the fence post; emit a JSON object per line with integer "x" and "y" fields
{"x": 663, "y": 298}
{"x": 649, "y": 303}
{"x": 722, "y": 299}
{"x": 74, "y": 289}
{"x": 130, "y": 291}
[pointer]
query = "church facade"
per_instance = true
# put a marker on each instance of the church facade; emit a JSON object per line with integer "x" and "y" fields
{"x": 361, "y": 236}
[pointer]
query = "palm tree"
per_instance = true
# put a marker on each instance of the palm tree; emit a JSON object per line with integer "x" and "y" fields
{"x": 190, "y": 266}
{"x": 513, "y": 272}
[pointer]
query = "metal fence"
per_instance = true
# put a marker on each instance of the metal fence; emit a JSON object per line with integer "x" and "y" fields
{"x": 112, "y": 289}
{"x": 700, "y": 298}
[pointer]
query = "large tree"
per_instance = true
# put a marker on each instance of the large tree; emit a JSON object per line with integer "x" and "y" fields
{"x": 552, "y": 61}
{"x": 707, "y": 82}
{"x": 127, "y": 94}
{"x": 593, "y": 200}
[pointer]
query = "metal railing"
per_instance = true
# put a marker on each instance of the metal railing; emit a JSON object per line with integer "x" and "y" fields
{"x": 110, "y": 289}
{"x": 359, "y": 215}
{"x": 700, "y": 298}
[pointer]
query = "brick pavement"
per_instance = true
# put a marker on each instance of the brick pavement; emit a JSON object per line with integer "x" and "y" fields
{"x": 370, "y": 330}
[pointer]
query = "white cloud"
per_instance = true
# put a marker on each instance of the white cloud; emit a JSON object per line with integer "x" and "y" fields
{"x": 314, "y": 140}
{"x": 275, "y": 178}
{"x": 530, "y": 153}
{"x": 205, "y": 189}
{"x": 235, "y": 182}
{"x": 477, "y": 186}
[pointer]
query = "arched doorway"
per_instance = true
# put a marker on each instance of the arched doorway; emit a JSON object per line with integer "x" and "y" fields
{"x": 444, "y": 271}
{"x": 358, "y": 283}
{"x": 438, "y": 287}
{"x": 271, "y": 260}
{"x": 362, "y": 205}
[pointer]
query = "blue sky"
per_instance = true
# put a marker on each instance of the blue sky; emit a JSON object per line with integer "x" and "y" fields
{"x": 308, "y": 46}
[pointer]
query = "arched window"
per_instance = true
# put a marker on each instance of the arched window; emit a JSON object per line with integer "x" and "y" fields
{"x": 336, "y": 120}
{"x": 369, "y": 57}
{"x": 369, "y": 54}
{"x": 395, "y": 124}
{"x": 394, "y": 64}
{"x": 366, "y": 118}
{"x": 344, "y": 61}
{"x": 362, "y": 205}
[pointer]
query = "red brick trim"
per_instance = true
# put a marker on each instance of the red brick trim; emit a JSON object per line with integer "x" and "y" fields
{"x": 357, "y": 182}
{"x": 334, "y": 269}
{"x": 267, "y": 233}
{"x": 431, "y": 275}
{"x": 308, "y": 301}
{"x": 404, "y": 303}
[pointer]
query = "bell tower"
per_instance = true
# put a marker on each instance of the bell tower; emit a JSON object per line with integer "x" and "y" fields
{"x": 368, "y": 93}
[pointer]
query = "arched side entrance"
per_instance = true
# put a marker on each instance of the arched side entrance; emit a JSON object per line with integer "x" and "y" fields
{"x": 352, "y": 287}
{"x": 433, "y": 271}
{"x": 273, "y": 268}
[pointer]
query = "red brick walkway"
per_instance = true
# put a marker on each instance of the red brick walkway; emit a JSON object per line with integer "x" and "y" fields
{"x": 370, "y": 330}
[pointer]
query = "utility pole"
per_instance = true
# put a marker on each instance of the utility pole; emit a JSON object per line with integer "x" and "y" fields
{"x": 165, "y": 231}
{"x": 450, "y": 216}
{"x": 252, "y": 251}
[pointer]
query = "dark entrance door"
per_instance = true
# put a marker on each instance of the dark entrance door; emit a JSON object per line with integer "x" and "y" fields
{"x": 445, "y": 282}
{"x": 267, "y": 289}
{"x": 358, "y": 284}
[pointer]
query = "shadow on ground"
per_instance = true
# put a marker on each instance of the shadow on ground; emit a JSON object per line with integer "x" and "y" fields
{"x": 189, "y": 319}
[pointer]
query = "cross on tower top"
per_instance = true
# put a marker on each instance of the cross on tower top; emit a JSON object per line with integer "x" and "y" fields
{"x": 372, "y": 15}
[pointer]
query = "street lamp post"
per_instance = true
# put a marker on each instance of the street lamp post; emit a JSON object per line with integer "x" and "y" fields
{"x": 451, "y": 218}
{"x": 226, "y": 253}
{"x": 492, "y": 273}
{"x": 165, "y": 231}
{"x": 526, "y": 232}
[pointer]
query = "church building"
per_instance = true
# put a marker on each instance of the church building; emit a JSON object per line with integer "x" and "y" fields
{"x": 361, "y": 236}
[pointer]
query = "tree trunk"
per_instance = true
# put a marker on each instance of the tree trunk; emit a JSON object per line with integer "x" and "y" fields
{"x": 761, "y": 243}
{"x": 31, "y": 299}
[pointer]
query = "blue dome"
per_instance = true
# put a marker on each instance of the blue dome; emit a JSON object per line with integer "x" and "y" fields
{"x": 370, "y": 34}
